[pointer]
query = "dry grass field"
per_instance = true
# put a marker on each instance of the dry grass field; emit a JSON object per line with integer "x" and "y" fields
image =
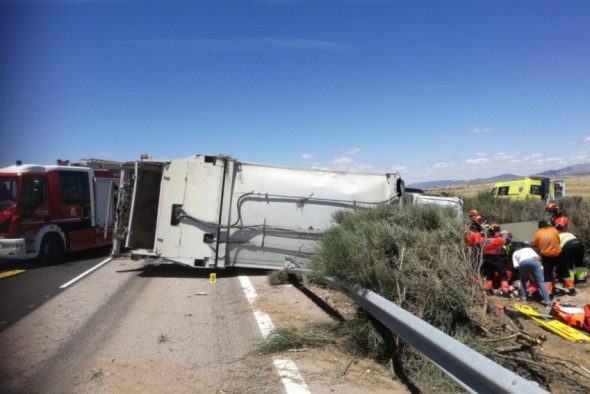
{"x": 574, "y": 186}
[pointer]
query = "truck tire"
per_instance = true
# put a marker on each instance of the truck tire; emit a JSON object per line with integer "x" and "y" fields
{"x": 52, "y": 249}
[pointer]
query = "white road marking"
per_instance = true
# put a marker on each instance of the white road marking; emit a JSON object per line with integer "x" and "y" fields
{"x": 290, "y": 376}
{"x": 262, "y": 318}
{"x": 77, "y": 278}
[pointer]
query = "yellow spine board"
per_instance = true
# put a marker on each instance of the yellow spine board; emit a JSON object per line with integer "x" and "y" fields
{"x": 555, "y": 326}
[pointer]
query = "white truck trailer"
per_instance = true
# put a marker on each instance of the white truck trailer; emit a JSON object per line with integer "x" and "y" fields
{"x": 217, "y": 212}
{"x": 417, "y": 197}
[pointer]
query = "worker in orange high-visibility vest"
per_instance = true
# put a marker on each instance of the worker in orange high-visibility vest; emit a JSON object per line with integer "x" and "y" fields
{"x": 546, "y": 239}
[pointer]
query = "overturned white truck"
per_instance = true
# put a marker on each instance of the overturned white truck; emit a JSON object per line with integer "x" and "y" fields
{"x": 417, "y": 197}
{"x": 217, "y": 212}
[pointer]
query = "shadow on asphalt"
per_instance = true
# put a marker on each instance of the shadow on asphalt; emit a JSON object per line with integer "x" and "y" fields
{"x": 172, "y": 270}
{"x": 69, "y": 259}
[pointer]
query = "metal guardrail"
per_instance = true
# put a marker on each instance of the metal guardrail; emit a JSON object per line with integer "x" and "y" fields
{"x": 472, "y": 370}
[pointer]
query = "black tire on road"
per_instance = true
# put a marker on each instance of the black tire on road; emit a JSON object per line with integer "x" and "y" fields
{"x": 52, "y": 249}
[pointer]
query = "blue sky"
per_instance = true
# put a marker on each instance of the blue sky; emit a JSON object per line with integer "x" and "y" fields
{"x": 454, "y": 89}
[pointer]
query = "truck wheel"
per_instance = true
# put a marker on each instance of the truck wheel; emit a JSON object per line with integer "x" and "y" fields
{"x": 52, "y": 249}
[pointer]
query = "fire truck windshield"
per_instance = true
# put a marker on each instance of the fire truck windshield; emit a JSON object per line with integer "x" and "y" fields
{"x": 8, "y": 191}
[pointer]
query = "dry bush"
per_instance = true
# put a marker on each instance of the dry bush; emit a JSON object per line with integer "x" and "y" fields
{"x": 416, "y": 258}
{"x": 505, "y": 210}
{"x": 276, "y": 278}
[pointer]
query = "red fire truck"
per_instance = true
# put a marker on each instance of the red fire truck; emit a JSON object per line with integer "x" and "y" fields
{"x": 48, "y": 210}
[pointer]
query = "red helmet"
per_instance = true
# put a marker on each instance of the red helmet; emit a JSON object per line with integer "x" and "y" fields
{"x": 552, "y": 207}
{"x": 477, "y": 219}
{"x": 473, "y": 213}
{"x": 492, "y": 229}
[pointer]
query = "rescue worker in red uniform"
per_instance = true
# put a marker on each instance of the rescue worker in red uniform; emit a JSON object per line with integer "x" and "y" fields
{"x": 474, "y": 231}
{"x": 473, "y": 238}
{"x": 493, "y": 260}
{"x": 557, "y": 217}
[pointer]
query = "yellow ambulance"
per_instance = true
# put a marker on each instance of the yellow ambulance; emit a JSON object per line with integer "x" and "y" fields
{"x": 530, "y": 187}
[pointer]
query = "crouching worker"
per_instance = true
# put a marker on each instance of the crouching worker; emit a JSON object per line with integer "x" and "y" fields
{"x": 493, "y": 261}
{"x": 528, "y": 263}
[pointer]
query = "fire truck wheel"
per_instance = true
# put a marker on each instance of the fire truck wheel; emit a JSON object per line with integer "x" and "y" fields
{"x": 52, "y": 249}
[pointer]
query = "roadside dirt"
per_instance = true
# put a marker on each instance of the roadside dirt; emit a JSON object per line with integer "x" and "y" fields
{"x": 290, "y": 310}
{"x": 325, "y": 370}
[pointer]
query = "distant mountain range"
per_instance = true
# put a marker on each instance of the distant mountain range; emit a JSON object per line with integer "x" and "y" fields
{"x": 578, "y": 169}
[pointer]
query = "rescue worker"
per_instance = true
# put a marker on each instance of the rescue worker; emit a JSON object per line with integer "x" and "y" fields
{"x": 472, "y": 214}
{"x": 492, "y": 258}
{"x": 557, "y": 217}
{"x": 546, "y": 239}
{"x": 473, "y": 238}
{"x": 528, "y": 263}
{"x": 474, "y": 231}
{"x": 572, "y": 251}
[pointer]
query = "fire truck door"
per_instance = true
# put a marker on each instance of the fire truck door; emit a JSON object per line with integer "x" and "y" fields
{"x": 35, "y": 204}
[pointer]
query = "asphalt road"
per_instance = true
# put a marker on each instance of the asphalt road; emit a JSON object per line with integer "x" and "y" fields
{"x": 128, "y": 317}
{"x": 22, "y": 293}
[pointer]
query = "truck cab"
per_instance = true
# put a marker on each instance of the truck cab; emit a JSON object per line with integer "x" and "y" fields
{"x": 46, "y": 210}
